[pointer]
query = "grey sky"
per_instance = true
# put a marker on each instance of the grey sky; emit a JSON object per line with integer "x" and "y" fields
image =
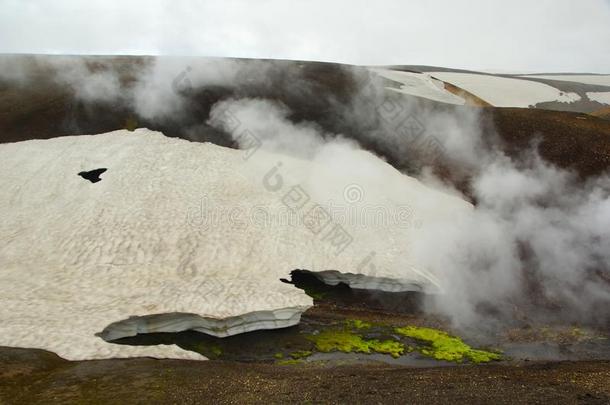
{"x": 543, "y": 35}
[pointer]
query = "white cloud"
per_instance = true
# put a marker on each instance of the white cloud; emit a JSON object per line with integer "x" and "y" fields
{"x": 547, "y": 35}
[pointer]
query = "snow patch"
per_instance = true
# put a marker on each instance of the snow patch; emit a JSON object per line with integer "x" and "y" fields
{"x": 182, "y": 235}
{"x": 279, "y": 318}
{"x": 597, "y": 80}
{"x": 364, "y": 282}
{"x": 600, "y": 97}
{"x": 420, "y": 85}
{"x": 506, "y": 92}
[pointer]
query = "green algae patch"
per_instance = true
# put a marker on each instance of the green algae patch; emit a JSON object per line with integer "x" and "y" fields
{"x": 131, "y": 124}
{"x": 300, "y": 354}
{"x": 443, "y": 346}
{"x": 349, "y": 342}
{"x": 314, "y": 292}
{"x": 343, "y": 341}
{"x": 394, "y": 349}
{"x": 358, "y": 324}
{"x": 209, "y": 350}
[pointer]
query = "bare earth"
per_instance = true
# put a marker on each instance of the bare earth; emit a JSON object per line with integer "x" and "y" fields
{"x": 28, "y": 376}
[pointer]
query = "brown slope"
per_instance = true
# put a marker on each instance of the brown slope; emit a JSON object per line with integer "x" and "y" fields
{"x": 470, "y": 98}
{"x": 603, "y": 113}
{"x": 42, "y": 108}
{"x": 569, "y": 140}
{"x": 313, "y": 91}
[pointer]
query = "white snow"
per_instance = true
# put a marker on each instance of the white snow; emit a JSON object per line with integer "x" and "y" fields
{"x": 363, "y": 282}
{"x": 175, "y": 228}
{"x": 600, "y": 80}
{"x": 506, "y": 92}
{"x": 600, "y": 97}
{"x": 420, "y": 85}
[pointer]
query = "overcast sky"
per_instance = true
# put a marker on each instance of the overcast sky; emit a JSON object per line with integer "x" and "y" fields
{"x": 542, "y": 35}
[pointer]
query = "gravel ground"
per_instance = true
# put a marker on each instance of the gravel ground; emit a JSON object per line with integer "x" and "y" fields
{"x": 31, "y": 376}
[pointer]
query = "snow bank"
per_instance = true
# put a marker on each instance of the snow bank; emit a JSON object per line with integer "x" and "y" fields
{"x": 506, "y": 92}
{"x": 420, "y": 85}
{"x": 181, "y": 235}
{"x": 599, "y": 80}
{"x": 600, "y": 97}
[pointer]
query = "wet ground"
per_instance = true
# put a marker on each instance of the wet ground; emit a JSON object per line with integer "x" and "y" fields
{"x": 376, "y": 316}
{"x": 278, "y": 346}
{"x": 285, "y": 366}
{"x": 33, "y": 376}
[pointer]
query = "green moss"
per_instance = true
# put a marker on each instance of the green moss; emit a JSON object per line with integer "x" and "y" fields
{"x": 577, "y": 332}
{"x": 358, "y": 324}
{"x": 349, "y": 342}
{"x": 131, "y": 124}
{"x": 394, "y": 349}
{"x": 315, "y": 294}
{"x": 279, "y": 355}
{"x": 342, "y": 341}
{"x": 300, "y": 354}
{"x": 443, "y": 346}
{"x": 208, "y": 349}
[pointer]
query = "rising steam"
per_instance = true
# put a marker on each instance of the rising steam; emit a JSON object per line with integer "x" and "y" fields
{"x": 536, "y": 245}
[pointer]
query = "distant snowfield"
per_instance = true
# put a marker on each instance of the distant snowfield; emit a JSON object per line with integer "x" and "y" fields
{"x": 600, "y": 80}
{"x": 600, "y": 97}
{"x": 193, "y": 235}
{"x": 420, "y": 85}
{"x": 505, "y": 92}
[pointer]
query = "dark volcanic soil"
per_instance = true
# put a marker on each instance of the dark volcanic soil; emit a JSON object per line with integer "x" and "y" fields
{"x": 39, "y": 107}
{"x": 250, "y": 374}
{"x": 570, "y": 140}
{"x": 28, "y": 376}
